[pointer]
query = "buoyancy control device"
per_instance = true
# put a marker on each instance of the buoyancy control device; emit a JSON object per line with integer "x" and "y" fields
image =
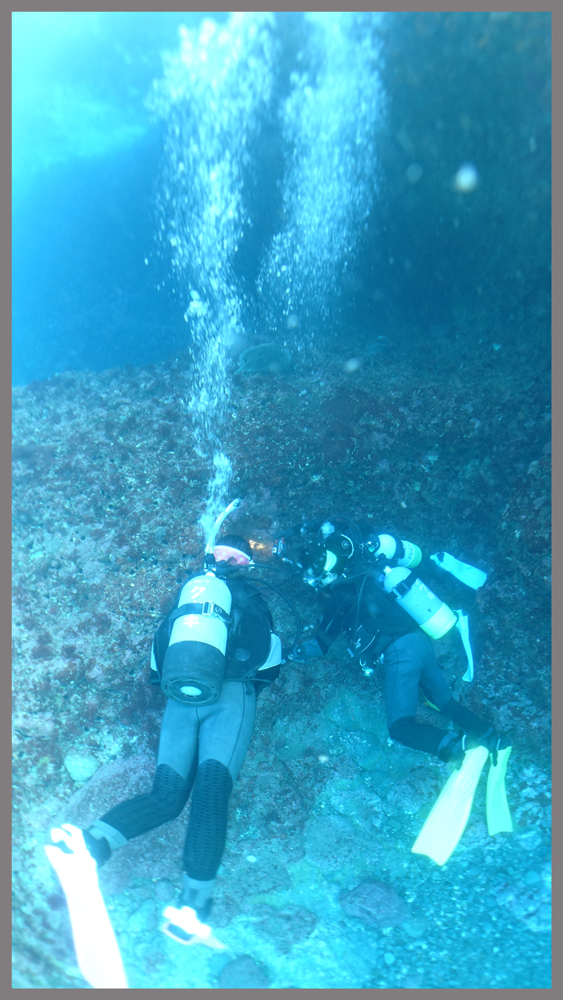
{"x": 194, "y": 663}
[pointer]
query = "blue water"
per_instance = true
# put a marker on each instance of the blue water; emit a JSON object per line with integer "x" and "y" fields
{"x": 354, "y": 128}
{"x": 85, "y": 162}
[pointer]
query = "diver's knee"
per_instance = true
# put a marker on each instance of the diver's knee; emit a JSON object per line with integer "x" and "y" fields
{"x": 170, "y": 790}
{"x": 213, "y": 777}
{"x": 399, "y": 729}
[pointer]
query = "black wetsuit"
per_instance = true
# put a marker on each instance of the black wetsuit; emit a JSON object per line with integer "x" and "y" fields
{"x": 201, "y": 747}
{"x": 383, "y": 633}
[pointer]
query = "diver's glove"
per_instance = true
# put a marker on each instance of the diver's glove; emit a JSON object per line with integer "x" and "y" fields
{"x": 454, "y": 745}
{"x": 305, "y": 651}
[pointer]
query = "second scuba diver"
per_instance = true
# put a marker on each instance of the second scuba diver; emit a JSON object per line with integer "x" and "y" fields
{"x": 211, "y": 655}
{"x": 373, "y": 589}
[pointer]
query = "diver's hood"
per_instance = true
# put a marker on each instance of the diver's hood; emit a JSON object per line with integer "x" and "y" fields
{"x": 231, "y": 555}
{"x": 323, "y": 562}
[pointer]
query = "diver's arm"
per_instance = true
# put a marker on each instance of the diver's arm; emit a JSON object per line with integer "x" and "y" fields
{"x": 305, "y": 651}
{"x": 332, "y": 623}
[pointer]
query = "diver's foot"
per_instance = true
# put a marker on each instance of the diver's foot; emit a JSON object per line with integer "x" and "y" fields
{"x": 184, "y": 926}
{"x": 73, "y": 863}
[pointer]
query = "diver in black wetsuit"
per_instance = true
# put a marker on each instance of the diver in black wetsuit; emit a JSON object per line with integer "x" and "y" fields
{"x": 348, "y": 565}
{"x": 202, "y": 746}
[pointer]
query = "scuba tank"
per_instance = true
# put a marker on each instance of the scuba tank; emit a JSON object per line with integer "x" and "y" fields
{"x": 399, "y": 551}
{"x": 194, "y": 663}
{"x": 433, "y": 615}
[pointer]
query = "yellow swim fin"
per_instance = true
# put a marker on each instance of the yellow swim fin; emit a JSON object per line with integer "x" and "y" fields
{"x": 499, "y": 819}
{"x": 448, "y": 817}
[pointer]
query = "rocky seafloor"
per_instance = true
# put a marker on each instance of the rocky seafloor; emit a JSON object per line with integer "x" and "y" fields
{"x": 446, "y": 444}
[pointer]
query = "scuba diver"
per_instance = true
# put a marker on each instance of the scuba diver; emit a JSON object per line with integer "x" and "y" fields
{"x": 376, "y": 597}
{"x": 211, "y": 655}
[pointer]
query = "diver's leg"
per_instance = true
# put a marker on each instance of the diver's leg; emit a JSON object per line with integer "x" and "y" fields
{"x": 405, "y": 662}
{"x": 173, "y": 781}
{"x": 439, "y": 693}
{"x": 464, "y": 718}
{"x": 432, "y": 681}
{"x": 225, "y": 734}
{"x": 226, "y": 728}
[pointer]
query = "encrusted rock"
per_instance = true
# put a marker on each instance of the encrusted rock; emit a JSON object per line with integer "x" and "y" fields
{"x": 288, "y": 926}
{"x": 330, "y": 842}
{"x": 378, "y": 905}
{"x": 243, "y": 973}
{"x": 266, "y": 359}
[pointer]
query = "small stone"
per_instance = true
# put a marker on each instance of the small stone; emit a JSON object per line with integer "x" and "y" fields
{"x": 288, "y": 926}
{"x": 164, "y": 890}
{"x": 378, "y": 905}
{"x": 330, "y": 842}
{"x": 81, "y": 766}
{"x": 388, "y": 958}
{"x": 142, "y": 920}
{"x": 415, "y": 928}
{"x": 243, "y": 973}
{"x": 530, "y": 839}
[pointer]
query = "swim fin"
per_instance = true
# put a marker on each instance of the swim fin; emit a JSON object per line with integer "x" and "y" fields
{"x": 499, "y": 819}
{"x": 448, "y": 817}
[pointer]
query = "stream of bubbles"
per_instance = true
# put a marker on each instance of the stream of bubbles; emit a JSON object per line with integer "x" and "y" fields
{"x": 215, "y": 95}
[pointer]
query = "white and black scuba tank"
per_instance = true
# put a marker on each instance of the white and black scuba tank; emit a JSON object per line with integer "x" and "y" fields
{"x": 194, "y": 664}
{"x": 398, "y": 550}
{"x": 413, "y": 596}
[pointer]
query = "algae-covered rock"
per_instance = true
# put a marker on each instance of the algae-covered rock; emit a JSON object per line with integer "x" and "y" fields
{"x": 243, "y": 973}
{"x": 155, "y": 855}
{"x": 378, "y": 905}
{"x": 359, "y": 803}
{"x": 352, "y": 710}
{"x": 418, "y": 789}
{"x": 287, "y": 926}
{"x": 265, "y": 359}
{"x": 330, "y": 842}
